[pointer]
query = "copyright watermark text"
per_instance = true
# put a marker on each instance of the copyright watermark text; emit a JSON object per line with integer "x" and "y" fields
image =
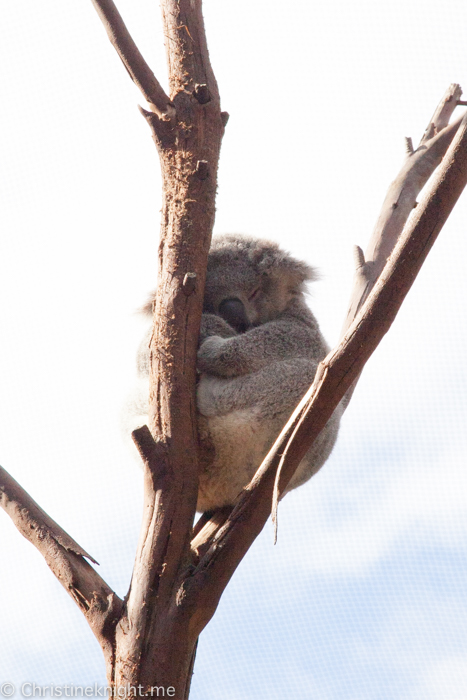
{"x": 33, "y": 690}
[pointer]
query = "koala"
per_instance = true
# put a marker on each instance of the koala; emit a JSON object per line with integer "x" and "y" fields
{"x": 259, "y": 349}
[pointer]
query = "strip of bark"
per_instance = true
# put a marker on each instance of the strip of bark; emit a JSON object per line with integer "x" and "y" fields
{"x": 205, "y": 530}
{"x": 65, "y": 558}
{"x": 334, "y": 377}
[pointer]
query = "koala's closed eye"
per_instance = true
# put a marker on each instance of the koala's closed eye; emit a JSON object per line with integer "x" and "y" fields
{"x": 259, "y": 349}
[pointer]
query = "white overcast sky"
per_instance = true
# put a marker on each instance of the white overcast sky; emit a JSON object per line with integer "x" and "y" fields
{"x": 364, "y": 595}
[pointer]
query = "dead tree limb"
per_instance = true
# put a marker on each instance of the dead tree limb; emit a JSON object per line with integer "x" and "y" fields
{"x": 401, "y": 199}
{"x": 138, "y": 69}
{"x": 155, "y": 640}
{"x": 66, "y": 559}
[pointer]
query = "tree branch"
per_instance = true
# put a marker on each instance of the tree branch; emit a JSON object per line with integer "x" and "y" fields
{"x": 205, "y": 529}
{"x": 96, "y": 600}
{"x": 132, "y": 59}
{"x": 187, "y": 50}
{"x": 334, "y": 377}
{"x": 150, "y": 562}
{"x": 418, "y": 167}
{"x": 401, "y": 199}
{"x": 443, "y": 112}
{"x": 189, "y": 150}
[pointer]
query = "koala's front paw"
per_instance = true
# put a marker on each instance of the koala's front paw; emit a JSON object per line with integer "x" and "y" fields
{"x": 208, "y": 354}
{"x": 212, "y": 325}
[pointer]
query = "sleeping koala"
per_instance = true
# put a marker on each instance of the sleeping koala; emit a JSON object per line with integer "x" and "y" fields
{"x": 259, "y": 349}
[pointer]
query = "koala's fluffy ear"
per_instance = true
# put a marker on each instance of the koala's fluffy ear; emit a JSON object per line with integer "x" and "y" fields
{"x": 279, "y": 265}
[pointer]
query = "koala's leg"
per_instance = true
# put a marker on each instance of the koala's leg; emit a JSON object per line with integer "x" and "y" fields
{"x": 243, "y": 417}
{"x": 274, "y": 390}
{"x": 258, "y": 348}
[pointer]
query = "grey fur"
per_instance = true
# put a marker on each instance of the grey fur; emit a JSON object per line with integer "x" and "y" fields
{"x": 253, "y": 370}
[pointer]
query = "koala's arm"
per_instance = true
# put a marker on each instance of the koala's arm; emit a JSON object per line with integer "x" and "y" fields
{"x": 214, "y": 325}
{"x": 249, "y": 352}
{"x": 210, "y": 325}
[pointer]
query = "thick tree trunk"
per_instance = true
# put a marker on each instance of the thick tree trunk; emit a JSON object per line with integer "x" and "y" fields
{"x": 157, "y": 648}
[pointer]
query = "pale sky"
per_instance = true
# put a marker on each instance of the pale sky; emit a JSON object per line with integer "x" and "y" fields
{"x": 364, "y": 595}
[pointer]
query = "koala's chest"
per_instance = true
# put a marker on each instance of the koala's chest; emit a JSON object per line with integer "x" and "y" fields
{"x": 240, "y": 440}
{"x": 240, "y": 436}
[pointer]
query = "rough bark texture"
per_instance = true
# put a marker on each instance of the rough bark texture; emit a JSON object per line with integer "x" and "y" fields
{"x": 398, "y": 204}
{"x": 188, "y": 145}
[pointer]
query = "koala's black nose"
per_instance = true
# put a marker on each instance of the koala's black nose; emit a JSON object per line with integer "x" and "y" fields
{"x": 233, "y": 311}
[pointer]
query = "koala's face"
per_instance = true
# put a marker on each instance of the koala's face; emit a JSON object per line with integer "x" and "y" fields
{"x": 251, "y": 281}
{"x": 232, "y": 287}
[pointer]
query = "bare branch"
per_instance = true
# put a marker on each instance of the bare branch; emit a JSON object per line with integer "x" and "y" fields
{"x": 189, "y": 151}
{"x": 23, "y": 510}
{"x": 333, "y": 378}
{"x": 188, "y": 140}
{"x": 205, "y": 529}
{"x": 153, "y": 544}
{"x": 132, "y": 59}
{"x": 401, "y": 198}
{"x": 443, "y": 112}
{"x": 154, "y": 579}
{"x": 96, "y": 600}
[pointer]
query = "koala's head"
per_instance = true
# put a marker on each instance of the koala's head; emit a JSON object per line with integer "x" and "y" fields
{"x": 251, "y": 281}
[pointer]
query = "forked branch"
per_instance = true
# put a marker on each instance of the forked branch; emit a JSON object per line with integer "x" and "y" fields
{"x": 155, "y": 638}
{"x": 138, "y": 69}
